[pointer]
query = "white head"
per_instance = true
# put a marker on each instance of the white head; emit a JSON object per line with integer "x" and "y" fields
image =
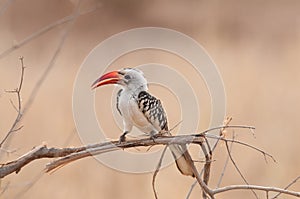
{"x": 130, "y": 79}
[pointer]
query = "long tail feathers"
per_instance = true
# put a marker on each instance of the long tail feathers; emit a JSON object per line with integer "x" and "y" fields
{"x": 180, "y": 158}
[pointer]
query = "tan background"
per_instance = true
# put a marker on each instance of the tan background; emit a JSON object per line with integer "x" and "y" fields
{"x": 255, "y": 44}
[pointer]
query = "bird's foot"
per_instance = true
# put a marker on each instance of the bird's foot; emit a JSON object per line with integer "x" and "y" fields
{"x": 154, "y": 136}
{"x": 123, "y": 137}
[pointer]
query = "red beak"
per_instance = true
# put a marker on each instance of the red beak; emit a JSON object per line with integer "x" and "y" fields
{"x": 108, "y": 78}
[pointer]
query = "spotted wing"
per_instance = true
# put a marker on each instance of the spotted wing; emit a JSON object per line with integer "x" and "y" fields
{"x": 153, "y": 110}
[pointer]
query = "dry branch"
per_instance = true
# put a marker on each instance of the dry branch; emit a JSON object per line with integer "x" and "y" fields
{"x": 36, "y": 153}
{"x": 115, "y": 145}
{"x": 71, "y": 154}
{"x": 43, "y": 30}
{"x": 156, "y": 172}
{"x": 288, "y": 186}
{"x": 21, "y": 112}
{"x": 226, "y": 163}
{"x": 237, "y": 168}
{"x": 208, "y": 157}
{"x": 256, "y": 187}
{"x": 67, "y": 155}
{"x": 14, "y": 127}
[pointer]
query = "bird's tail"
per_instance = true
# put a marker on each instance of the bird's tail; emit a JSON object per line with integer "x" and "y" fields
{"x": 180, "y": 157}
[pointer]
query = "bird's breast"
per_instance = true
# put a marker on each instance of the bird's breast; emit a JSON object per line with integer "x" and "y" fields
{"x": 132, "y": 114}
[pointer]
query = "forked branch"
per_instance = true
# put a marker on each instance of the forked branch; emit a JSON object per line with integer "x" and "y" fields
{"x": 14, "y": 127}
{"x": 67, "y": 155}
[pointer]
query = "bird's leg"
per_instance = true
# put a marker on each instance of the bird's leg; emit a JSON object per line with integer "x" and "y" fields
{"x": 123, "y": 137}
{"x": 153, "y": 135}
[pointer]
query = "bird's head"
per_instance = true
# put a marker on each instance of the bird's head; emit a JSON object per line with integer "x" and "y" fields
{"x": 128, "y": 78}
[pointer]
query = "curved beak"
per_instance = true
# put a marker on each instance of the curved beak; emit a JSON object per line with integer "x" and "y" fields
{"x": 108, "y": 78}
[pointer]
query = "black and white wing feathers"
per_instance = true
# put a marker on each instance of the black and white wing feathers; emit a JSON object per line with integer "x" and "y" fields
{"x": 153, "y": 110}
{"x": 118, "y": 101}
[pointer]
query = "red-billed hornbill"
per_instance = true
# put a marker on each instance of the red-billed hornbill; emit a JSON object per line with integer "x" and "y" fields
{"x": 140, "y": 109}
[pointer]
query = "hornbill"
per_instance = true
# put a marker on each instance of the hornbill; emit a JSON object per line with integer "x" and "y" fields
{"x": 140, "y": 109}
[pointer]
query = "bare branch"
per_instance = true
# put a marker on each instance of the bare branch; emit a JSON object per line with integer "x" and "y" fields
{"x": 290, "y": 184}
{"x": 67, "y": 155}
{"x": 228, "y": 126}
{"x": 202, "y": 184}
{"x": 42, "y": 31}
{"x": 13, "y": 105}
{"x": 256, "y": 187}
{"x": 18, "y": 108}
{"x": 237, "y": 168}
{"x": 207, "y": 165}
{"x": 50, "y": 65}
{"x": 191, "y": 189}
{"x": 115, "y": 145}
{"x": 157, "y": 170}
{"x": 75, "y": 153}
{"x": 36, "y": 153}
{"x": 222, "y": 129}
{"x": 226, "y": 162}
{"x": 39, "y": 83}
{"x": 265, "y": 154}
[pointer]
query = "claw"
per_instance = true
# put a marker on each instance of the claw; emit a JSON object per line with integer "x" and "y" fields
{"x": 154, "y": 135}
{"x": 123, "y": 137}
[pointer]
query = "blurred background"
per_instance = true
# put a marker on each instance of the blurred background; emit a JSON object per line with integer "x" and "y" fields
{"x": 255, "y": 45}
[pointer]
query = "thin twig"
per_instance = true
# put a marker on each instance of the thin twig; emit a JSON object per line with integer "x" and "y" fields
{"x": 206, "y": 168}
{"x": 50, "y": 65}
{"x": 5, "y": 6}
{"x": 13, "y": 105}
{"x": 288, "y": 186}
{"x": 191, "y": 189}
{"x": 226, "y": 163}
{"x": 18, "y": 108}
{"x": 222, "y": 129}
{"x": 157, "y": 170}
{"x": 226, "y": 127}
{"x": 237, "y": 168}
{"x": 177, "y": 124}
{"x": 255, "y": 187}
{"x": 43, "y": 77}
{"x": 202, "y": 184}
{"x": 265, "y": 154}
{"x": 41, "y": 173}
{"x": 42, "y": 31}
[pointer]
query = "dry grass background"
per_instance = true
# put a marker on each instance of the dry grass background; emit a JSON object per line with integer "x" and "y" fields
{"x": 255, "y": 44}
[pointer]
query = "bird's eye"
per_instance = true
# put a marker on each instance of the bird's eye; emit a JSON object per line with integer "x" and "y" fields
{"x": 127, "y": 77}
